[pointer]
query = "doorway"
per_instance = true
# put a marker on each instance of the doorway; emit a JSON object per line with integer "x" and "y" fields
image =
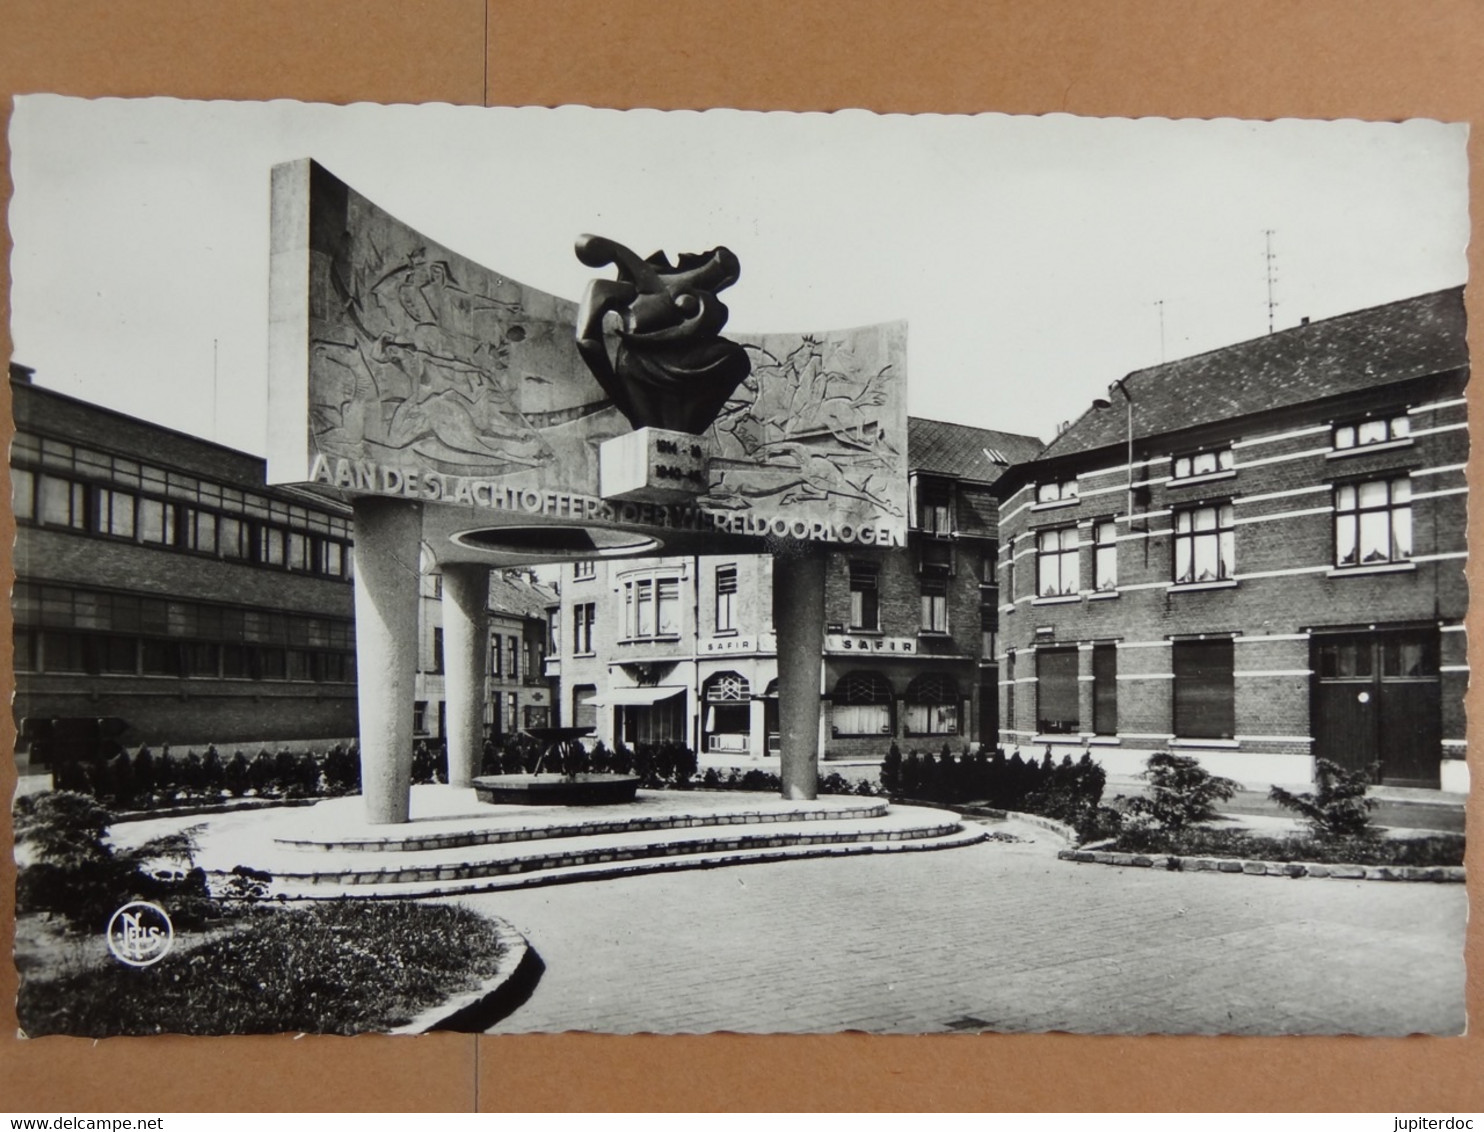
{"x": 1377, "y": 704}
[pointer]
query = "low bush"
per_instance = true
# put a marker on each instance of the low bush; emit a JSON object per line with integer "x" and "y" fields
{"x": 336, "y": 967}
{"x": 1067, "y": 791}
{"x": 1338, "y": 809}
{"x": 1430, "y": 851}
{"x": 75, "y": 873}
{"x": 1182, "y": 793}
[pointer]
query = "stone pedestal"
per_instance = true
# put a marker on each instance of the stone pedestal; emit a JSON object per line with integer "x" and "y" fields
{"x": 388, "y": 534}
{"x": 798, "y": 615}
{"x": 466, "y": 592}
{"x": 652, "y": 465}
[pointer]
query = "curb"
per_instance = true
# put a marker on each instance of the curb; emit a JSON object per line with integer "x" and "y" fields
{"x": 510, "y": 882}
{"x": 213, "y": 809}
{"x": 499, "y": 996}
{"x": 1446, "y": 874}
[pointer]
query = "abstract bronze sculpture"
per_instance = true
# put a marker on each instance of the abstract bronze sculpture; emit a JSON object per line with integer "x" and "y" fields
{"x": 673, "y": 370}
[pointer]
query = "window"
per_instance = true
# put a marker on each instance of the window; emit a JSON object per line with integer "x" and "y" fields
{"x": 437, "y": 651}
{"x": 496, "y": 667}
{"x": 727, "y": 723}
{"x": 272, "y": 549}
{"x": 584, "y": 713}
{"x": 61, "y": 503}
{"x": 584, "y": 568}
{"x": 554, "y": 630}
{"x": 234, "y": 537}
{"x": 865, "y": 597}
{"x": 200, "y": 530}
{"x": 23, "y": 494}
{"x": 115, "y": 514}
{"x": 1381, "y": 431}
{"x": 651, "y": 608}
{"x": 420, "y": 717}
{"x": 1105, "y": 689}
{"x": 989, "y": 621}
{"x": 935, "y": 508}
{"x": 931, "y": 705}
{"x": 583, "y": 617}
{"x": 1105, "y": 555}
{"x": 1056, "y": 562}
{"x": 512, "y": 663}
{"x": 1056, "y": 692}
{"x": 1205, "y": 696}
{"x": 935, "y": 557}
{"x": 1373, "y": 522}
{"x": 726, "y": 599}
{"x": 934, "y": 605}
{"x": 1201, "y": 464}
{"x": 1063, "y": 491}
{"x": 1009, "y": 682}
{"x": 1205, "y": 544}
{"x": 862, "y": 705}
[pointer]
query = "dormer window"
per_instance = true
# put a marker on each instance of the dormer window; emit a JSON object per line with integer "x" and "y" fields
{"x": 1362, "y": 434}
{"x": 1194, "y": 464}
{"x": 935, "y": 508}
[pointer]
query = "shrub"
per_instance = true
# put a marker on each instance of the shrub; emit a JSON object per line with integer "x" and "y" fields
{"x": 260, "y": 772}
{"x": 121, "y": 780}
{"x": 144, "y": 773}
{"x": 238, "y": 780}
{"x": 1182, "y": 793}
{"x": 891, "y": 770}
{"x": 1338, "y": 809}
{"x": 1072, "y": 792}
{"x": 79, "y": 876}
{"x": 342, "y": 770}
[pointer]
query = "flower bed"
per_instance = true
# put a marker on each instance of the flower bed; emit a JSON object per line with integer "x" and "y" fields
{"x": 332, "y": 968}
{"x": 1429, "y": 851}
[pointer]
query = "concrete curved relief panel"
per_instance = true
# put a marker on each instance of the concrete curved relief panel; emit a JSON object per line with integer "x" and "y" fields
{"x": 421, "y": 374}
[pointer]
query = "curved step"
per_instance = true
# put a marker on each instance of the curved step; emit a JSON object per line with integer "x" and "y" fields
{"x": 512, "y": 824}
{"x": 456, "y": 863}
{"x": 609, "y": 870}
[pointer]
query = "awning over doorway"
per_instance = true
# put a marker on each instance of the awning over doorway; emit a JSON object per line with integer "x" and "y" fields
{"x": 634, "y": 697}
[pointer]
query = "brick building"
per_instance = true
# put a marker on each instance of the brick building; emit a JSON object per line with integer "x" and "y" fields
{"x": 684, "y": 648}
{"x": 516, "y": 692}
{"x": 158, "y": 581}
{"x": 1254, "y": 555}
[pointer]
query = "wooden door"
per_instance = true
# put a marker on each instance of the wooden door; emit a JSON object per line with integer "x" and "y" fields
{"x": 1376, "y": 704}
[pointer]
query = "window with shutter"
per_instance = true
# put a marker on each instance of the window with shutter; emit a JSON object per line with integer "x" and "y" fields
{"x": 1205, "y": 692}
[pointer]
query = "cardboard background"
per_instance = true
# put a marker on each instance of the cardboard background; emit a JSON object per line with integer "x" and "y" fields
{"x": 1203, "y": 58}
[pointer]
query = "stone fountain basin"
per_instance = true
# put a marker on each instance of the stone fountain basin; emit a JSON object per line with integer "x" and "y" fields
{"x": 556, "y": 789}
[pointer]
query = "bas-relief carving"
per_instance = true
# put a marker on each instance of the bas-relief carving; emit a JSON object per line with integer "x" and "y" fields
{"x": 422, "y": 358}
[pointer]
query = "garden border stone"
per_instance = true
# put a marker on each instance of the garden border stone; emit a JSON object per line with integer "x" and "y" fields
{"x": 473, "y": 1012}
{"x": 1445, "y": 874}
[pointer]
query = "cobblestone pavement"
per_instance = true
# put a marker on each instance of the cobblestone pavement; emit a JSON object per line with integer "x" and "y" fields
{"x": 998, "y": 936}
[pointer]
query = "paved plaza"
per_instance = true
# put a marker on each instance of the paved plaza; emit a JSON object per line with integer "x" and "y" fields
{"x": 998, "y": 936}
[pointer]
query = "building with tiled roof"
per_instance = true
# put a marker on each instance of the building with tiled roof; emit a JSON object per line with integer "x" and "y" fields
{"x": 684, "y": 648}
{"x": 1254, "y": 555}
{"x": 962, "y": 452}
{"x": 517, "y": 695}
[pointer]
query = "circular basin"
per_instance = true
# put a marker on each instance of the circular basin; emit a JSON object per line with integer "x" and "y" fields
{"x": 556, "y": 789}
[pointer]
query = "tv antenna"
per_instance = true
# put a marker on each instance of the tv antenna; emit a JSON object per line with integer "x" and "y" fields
{"x": 1272, "y": 263}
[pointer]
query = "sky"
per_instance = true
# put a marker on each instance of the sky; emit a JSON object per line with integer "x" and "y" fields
{"x": 1035, "y": 259}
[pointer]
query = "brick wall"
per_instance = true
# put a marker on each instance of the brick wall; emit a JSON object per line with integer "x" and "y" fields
{"x": 1286, "y": 584}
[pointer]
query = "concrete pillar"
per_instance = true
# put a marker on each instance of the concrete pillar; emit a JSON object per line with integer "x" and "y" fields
{"x": 757, "y": 726}
{"x": 798, "y": 616}
{"x": 388, "y": 534}
{"x": 466, "y": 641}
